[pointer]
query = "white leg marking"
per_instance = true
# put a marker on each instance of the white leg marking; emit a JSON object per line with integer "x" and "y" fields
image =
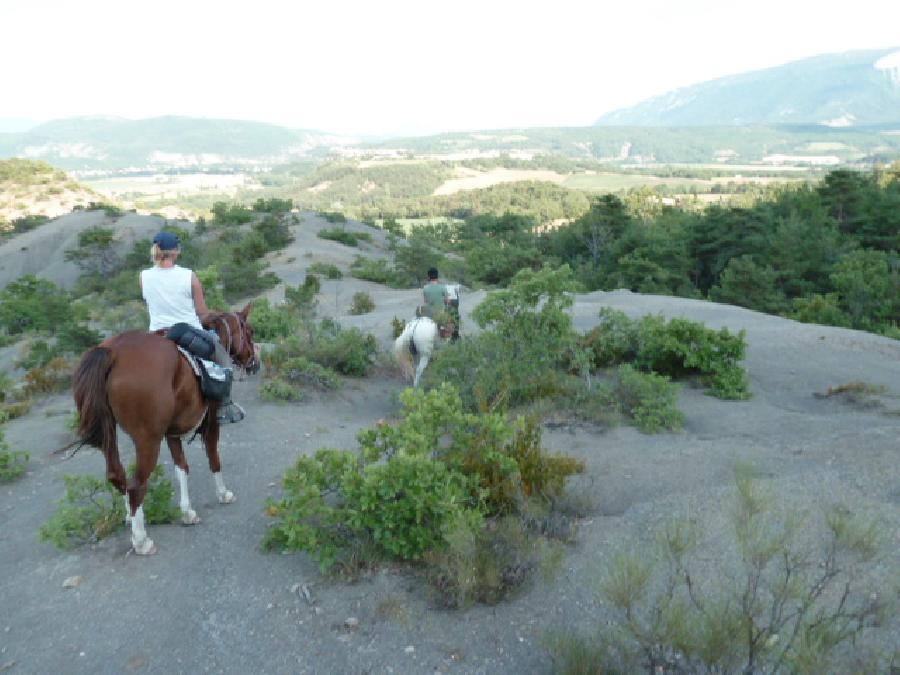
{"x": 420, "y": 369}
{"x": 127, "y": 509}
{"x": 188, "y": 515}
{"x": 225, "y": 496}
{"x": 143, "y": 545}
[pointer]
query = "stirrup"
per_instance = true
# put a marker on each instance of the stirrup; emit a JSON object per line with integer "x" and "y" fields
{"x": 230, "y": 413}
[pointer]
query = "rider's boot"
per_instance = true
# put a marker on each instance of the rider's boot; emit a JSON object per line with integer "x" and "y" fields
{"x": 229, "y": 411}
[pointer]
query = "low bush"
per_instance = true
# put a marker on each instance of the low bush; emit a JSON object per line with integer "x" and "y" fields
{"x": 677, "y": 347}
{"x": 486, "y": 564}
{"x": 397, "y": 326}
{"x": 12, "y": 462}
{"x": 327, "y": 270}
{"x": 378, "y": 271}
{"x": 526, "y": 342}
{"x": 55, "y": 375}
{"x": 277, "y": 389}
{"x": 298, "y": 370}
{"x": 362, "y": 303}
{"x": 333, "y": 216}
{"x": 649, "y": 399}
{"x": 271, "y": 323}
{"x": 347, "y": 352}
{"x": 340, "y": 235}
{"x": 432, "y": 486}
{"x": 793, "y": 601}
{"x": 93, "y": 509}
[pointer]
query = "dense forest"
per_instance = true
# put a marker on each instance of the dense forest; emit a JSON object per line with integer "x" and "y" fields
{"x": 824, "y": 253}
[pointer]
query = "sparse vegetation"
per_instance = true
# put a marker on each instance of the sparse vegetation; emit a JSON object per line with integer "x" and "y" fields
{"x": 92, "y": 509}
{"x": 797, "y": 596}
{"x": 362, "y": 303}
{"x": 12, "y": 462}
{"x": 327, "y": 270}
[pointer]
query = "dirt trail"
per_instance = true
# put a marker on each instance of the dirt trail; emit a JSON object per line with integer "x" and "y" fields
{"x": 210, "y": 600}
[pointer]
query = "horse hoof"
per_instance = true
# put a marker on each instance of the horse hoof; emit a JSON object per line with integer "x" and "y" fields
{"x": 190, "y": 517}
{"x": 227, "y": 497}
{"x": 146, "y": 547}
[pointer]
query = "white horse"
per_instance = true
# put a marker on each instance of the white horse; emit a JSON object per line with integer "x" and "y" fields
{"x": 420, "y": 334}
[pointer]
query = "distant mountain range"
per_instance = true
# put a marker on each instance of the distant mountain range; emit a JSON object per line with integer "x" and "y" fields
{"x": 828, "y": 109}
{"x": 856, "y": 88}
{"x": 95, "y": 143}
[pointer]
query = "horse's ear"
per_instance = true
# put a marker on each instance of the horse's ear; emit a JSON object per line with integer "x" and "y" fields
{"x": 246, "y": 311}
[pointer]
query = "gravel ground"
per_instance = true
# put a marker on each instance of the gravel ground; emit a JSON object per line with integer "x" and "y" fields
{"x": 211, "y": 600}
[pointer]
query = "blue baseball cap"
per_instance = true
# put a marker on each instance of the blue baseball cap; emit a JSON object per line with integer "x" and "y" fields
{"x": 167, "y": 241}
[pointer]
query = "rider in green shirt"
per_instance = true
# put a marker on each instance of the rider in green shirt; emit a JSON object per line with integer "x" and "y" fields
{"x": 435, "y": 293}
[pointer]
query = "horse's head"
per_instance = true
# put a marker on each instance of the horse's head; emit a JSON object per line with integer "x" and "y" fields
{"x": 236, "y": 335}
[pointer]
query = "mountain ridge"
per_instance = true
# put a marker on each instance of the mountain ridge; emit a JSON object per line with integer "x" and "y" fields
{"x": 856, "y": 88}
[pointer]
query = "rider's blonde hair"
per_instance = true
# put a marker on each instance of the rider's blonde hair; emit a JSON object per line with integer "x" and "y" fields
{"x": 157, "y": 255}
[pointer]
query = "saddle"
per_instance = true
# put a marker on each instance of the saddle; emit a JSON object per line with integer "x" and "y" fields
{"x": 197, "y": 346}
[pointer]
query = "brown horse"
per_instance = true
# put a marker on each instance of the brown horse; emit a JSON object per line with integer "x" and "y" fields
{"x": 141, "y": 382}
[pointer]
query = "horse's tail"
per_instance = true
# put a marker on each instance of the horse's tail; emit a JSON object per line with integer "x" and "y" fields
{"x": 96, "y": 423}
{"x": 402, "y": 350}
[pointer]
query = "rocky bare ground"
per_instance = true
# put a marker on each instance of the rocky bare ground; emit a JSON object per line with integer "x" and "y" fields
{"x": 211, "y": 600}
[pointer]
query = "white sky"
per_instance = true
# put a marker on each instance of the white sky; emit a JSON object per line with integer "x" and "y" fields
{"x": 398, "y": 66}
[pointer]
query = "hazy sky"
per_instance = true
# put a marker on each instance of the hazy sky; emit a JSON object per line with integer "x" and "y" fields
{"x": 392, "y": 66}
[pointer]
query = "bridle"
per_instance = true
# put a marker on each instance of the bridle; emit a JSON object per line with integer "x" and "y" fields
{"x": 235, "y": 345}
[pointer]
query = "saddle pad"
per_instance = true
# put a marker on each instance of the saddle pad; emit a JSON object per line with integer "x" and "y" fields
{"x": 213, "y": 369}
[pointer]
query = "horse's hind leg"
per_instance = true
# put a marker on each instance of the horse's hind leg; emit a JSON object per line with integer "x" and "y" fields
{"x": 147, "y": 451}
{"x": 211, "y": 443}
{"x": 423, "y": 361}
{"x": 188, "y": 515}
{"x": 115, "y": 473}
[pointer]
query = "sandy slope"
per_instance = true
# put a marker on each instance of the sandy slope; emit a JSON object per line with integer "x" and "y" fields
{"x": 42, "y": 251}
{"x": 210, "y": 600}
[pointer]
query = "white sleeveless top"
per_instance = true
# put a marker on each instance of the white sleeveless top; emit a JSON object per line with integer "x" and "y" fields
{"x": 167, "y": 291}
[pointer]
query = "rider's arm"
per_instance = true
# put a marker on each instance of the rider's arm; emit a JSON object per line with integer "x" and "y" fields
{"x": 199, "y": 300}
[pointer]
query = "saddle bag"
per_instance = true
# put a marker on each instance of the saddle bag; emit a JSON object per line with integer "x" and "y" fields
{"x": 197, "y": 342}
{"x": 214, "y": 387}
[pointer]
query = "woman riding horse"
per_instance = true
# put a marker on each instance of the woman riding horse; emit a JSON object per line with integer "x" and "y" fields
{"x": 174, "y": 295}
{"x": 140, "y": 381}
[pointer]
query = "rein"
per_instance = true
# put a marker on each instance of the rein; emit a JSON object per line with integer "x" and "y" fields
{"x": 228, "y": 346}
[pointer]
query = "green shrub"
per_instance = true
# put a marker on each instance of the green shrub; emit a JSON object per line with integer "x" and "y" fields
{"x": 300, "y": 370}
{"x": 159, "y": 502}
{"x": 649, "y": 399}
{"x": 230, "y": 214}
{"x": 303, "y": 298}
{"x": 346, "y": 351}
{"x": 339, "y": 235}
{"x": 397, "y": 326}
{"x": 412, "y": 483}
{"x": 29, "y": 303}
{"x": 277, "y": 389}
{"x": 273, "y": 205}
{"x": 12, "y": 462}
{"x": 327, "y": 270}
{"x": 676, "y": 348}
{"x": 362, "y": 303}
{"x": 378, "y": 271}
{"x": 92, "y": 509}
{"x": 333, "y": 216}
{"x": 521, "y": 354}
{"x": 614, "y": 341}
{"x": 271, "y": 323}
